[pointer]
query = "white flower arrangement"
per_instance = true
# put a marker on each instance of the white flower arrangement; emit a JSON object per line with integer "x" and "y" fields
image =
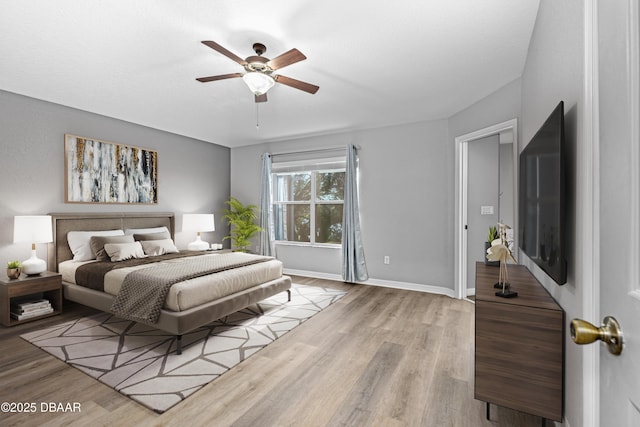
{"x": 499, "y": 251}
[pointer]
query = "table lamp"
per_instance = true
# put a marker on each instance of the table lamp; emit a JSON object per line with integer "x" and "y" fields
{"x": 198, "y": 223}
{"x": 34, "y": 229}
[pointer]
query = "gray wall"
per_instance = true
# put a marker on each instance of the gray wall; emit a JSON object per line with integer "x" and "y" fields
{"x": 193, "y": 176}
{"x": 406, "y": 202}
{"x": 497, "y": 107}
{"x": 554, "y": 72}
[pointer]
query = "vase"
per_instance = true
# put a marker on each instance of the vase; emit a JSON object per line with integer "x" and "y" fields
{"x": 14, "y": 273}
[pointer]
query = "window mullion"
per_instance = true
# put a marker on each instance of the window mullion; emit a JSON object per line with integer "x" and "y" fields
{"x": 312, "y": 209}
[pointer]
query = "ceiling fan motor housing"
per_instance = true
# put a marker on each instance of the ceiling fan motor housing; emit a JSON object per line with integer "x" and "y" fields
{"x": 258, "y": 63}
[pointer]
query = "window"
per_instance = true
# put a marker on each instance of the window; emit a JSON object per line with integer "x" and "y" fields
{"x": 306, "y": 200}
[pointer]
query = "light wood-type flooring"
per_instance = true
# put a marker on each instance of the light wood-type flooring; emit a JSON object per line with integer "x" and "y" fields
{"x": 377, "y": 357}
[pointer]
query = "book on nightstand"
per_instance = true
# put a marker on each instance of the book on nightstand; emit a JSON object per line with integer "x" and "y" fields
{"x": 30, "y": 308}
{"x": 30, "y": 314}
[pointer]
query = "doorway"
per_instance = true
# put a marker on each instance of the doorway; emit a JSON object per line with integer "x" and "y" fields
{"x": 483, "y": 200}
{"x": 462, "y": 258}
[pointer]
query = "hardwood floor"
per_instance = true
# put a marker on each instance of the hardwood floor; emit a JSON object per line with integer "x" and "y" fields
{"x": 377, "y": 357}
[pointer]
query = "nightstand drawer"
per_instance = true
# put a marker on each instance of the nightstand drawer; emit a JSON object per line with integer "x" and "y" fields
{"x": 32, "y": 287}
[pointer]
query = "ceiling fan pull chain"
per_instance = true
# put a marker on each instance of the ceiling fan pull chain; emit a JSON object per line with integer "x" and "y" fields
{"x": 257, "y": 117}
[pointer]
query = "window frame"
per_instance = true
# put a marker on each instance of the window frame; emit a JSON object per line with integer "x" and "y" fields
{"x": 312, "y": 170}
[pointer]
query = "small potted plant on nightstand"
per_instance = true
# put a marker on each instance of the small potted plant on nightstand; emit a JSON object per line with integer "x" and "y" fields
{"x": 14, "y": 268}
{"x": 491, "y": 236}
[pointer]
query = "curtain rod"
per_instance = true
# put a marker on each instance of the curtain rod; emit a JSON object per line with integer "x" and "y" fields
{"x": 319, "y": 150}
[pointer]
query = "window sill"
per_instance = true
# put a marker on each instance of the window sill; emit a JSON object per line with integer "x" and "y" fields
{"x": 308, "y": 245}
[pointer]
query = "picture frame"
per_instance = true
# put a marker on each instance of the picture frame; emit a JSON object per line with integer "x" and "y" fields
{"x": 98, "y": 171}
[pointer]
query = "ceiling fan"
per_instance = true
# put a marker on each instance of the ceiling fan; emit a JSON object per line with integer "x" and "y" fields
{"x": 259, "y": 70}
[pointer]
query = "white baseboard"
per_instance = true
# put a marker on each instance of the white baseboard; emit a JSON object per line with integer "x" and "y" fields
{"x": 377, "y": 282}
{"x": 411, "y": 287}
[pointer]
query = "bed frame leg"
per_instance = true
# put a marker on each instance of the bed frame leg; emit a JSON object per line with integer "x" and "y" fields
{"x": 288, "y": 295}
{"x": 179, "y": 344}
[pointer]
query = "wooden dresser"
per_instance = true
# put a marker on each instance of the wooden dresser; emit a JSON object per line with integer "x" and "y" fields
{"x": 519, "y": 345}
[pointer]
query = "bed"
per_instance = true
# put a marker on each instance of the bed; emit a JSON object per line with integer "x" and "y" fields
{"x": 176, "y": 316}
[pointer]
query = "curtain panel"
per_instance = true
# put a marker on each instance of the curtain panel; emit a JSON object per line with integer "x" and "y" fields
{"x": 266, "y": 238}
{"x": 354, "y": 268}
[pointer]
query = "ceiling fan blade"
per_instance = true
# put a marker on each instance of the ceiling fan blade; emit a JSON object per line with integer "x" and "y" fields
{"x": 287, "y": 58}
{"x": 297, "y": 84}
{"x": 261, "y": 98}
{"x": 220, "y": 77}
{"x": 215, "y": 46}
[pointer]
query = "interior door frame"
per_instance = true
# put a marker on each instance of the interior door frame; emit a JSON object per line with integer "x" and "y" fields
{"x": 461, "y": 173}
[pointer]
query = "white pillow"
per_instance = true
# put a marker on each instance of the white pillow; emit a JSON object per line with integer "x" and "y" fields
{"x": 124, "y": 251}
{"x": 158, "y": 247}
{"x": 145, "y": 230}
{"x": 80, "y": 242}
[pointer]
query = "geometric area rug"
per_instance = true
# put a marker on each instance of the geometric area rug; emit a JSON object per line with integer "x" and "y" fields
{"x": 141, "y": 362}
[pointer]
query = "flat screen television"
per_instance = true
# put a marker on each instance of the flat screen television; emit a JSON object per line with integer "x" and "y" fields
{"x": 542, "y": 193}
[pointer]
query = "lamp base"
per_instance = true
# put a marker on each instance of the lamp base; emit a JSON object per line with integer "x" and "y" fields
{"x": 34, "y": 265}
{"x": 198, "y": 245}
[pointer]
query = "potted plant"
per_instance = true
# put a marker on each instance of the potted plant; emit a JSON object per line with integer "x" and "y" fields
{"x": 241, "y": 220}
{"x": 491, "y": 236}
{"x": 14, "y": 269}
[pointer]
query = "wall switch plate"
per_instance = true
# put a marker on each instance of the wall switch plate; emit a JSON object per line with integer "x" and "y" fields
{"x": 486, "y": 210}
{"x": 386, "y": 259}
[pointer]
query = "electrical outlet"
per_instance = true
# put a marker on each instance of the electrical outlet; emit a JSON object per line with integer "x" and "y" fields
{"x": 386, "y": 259}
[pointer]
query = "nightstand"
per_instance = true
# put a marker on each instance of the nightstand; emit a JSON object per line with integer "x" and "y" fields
{"x": 47, "y": 285}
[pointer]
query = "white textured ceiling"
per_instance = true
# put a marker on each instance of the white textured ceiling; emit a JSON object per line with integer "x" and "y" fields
{"x": 377, "y": 62}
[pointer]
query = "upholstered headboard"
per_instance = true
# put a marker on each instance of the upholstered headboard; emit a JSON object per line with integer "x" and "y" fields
{"x": 65, "y": 222}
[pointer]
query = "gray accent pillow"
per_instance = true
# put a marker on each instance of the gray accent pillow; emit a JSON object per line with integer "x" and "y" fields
{"x": 97, "y": 245}
{"x": 80, "y": 242}
{"x": 158, "y": 247}
{"x": 124, "y": 251}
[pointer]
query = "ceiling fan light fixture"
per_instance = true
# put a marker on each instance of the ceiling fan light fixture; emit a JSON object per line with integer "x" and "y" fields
{"x": 259, "y": 83}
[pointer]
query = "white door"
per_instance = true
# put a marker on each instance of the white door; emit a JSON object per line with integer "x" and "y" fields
{"x": 619, "y": 264}
{"x": 618, "y": 187}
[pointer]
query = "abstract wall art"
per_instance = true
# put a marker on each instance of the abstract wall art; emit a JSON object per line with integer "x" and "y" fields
{"x": 105, "y": 172}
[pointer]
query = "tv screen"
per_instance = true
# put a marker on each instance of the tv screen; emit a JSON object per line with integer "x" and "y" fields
{"x": 542, "y": 197}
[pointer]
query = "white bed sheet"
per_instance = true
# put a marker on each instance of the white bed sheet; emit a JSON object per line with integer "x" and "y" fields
{"x": 194, "y": 292}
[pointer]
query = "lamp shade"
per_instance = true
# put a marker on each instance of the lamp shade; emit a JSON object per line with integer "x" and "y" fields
{"x": 259, "y": 83}
{"x": 32, "y": 229}
{"x": 198, "y": 222}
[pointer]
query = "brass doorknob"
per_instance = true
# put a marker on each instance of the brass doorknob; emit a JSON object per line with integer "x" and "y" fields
{"x": 583, "y": 332}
